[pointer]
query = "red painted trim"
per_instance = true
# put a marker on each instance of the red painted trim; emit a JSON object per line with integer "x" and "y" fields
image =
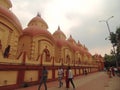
{"x": 21, "y": 75}
{"x": 19, "y": 55}
{"x": 24, "y": 57}
{"x": 53, "y": 73}
{"x": 53, "y": 61}
{"x": 9, "y": 87}
{"x": 6, "y": 26}
{"x": 41, "y": 59}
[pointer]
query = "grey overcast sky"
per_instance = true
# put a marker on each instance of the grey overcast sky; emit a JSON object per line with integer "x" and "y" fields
{"x": 79, "y": 18}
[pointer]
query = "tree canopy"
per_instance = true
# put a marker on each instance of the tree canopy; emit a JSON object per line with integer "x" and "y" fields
{"x": 110, "y": 60}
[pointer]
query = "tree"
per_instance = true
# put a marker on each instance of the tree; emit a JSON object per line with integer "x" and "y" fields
{"x": 118, "y": 33}
{"x": 118, "y": 40}
{"x": 109, "y": 60}
{"x": 115, "y": 40}
{"x": 118, "y": 44}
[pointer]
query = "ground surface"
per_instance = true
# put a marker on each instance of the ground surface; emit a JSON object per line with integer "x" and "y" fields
{"x": 94, "y": 81}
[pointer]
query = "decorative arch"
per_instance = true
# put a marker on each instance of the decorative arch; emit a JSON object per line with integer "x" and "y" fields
{"x": 79, "y": 60}
{"x": 67, "y": 59}
{"x": 46, "y": 54}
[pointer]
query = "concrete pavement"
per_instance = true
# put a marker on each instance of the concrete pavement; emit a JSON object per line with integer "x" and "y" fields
{"x": 113, "y": 84}
{"x": 94, "y": 81}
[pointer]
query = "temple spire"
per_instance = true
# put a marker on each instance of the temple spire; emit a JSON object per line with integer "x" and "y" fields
{"x": 78, "y": 42}
{"x": 70, "y": 36}
{"x": 58, "y": 27}
{"x": 38, "y": 14}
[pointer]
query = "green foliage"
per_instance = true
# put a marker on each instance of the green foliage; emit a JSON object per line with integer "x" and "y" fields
{"x": 113, "y": 39}
{"x": 118, "y": 40}
{"x": 109, "y": 60}
{"x": 118, "y": 34}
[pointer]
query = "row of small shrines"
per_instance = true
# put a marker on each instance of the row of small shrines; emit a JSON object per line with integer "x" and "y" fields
{"x": 19, "y": 68}
{"x": 19, "y": 72}
{"x": 41, "y": 60}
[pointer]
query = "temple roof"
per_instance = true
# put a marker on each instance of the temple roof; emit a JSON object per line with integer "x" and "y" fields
{"x": 7, "y": 14}
{"x": 37, "y": 20}
{"x": 71, "y": 40}
{"x": 36, "y": 31}
{"x": 6, "y": 3}
{"x": 59, "y": 33}
{"x": 61, "y": 42}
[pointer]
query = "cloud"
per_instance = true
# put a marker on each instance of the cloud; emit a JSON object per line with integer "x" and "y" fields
{"x": 104, "y": 50}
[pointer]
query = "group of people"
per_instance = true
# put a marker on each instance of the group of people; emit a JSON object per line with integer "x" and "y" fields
{"x": 68, "y": 78}
{"x": 112, "y": 71}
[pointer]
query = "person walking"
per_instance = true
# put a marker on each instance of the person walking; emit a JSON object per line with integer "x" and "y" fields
{"x": 66, "y": 78}
{"x": 112, "y": 71}
{"x": 85, "y": 72}
{"x": 109, "y": 73}
{"x": 60, "y": 76}
{"x": 70, "y": 76}
{"x": 43, "y": 78}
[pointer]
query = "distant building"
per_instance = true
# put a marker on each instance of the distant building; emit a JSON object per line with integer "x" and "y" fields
{"x": 34, "y": 47}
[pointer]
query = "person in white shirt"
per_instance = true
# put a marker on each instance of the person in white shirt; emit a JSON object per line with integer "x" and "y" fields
{"x": 70, "y": 76}
{"x": 60, "y": 76}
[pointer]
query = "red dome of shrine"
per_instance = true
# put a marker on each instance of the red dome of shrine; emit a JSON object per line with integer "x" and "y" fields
{"x": 36, "y": 31}
{"x": 7, "y": 14}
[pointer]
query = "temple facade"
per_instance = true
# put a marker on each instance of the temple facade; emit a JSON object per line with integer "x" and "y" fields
{"x": 23, "y": 52}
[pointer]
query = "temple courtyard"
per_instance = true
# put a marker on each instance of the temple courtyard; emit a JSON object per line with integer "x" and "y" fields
{"x": 93, "y": 81}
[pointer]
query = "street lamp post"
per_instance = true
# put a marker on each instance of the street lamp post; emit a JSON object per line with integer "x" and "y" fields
{"x": 106, "y": 21}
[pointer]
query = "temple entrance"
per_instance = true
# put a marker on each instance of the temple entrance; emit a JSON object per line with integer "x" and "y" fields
{"x": 67, "y": 59}
{"x": 46, "y": 55}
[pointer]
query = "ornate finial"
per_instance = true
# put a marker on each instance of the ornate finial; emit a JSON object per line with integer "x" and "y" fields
{"x": 84, "y": 45}
{"x": 58, "y": 27}
{"x": 38, "y": 14}
{"x": 70, "y": 36}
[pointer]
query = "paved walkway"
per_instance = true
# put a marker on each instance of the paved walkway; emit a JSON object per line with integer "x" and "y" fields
{"x": 94, "y": 81}
{"x": 114, "y": 83}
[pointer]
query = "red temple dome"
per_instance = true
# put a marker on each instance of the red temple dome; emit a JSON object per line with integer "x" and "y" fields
{"x": 8, "y": 15}
{"x": 6, "y": 3}
{"x": 71, "y": 40}
{"x": 36, "y": 31}
{"x": 35, "y": 28}
{"x": 38, "y": 21}
{"x": 61, "y": 42}
{"x": 59, "y": 34}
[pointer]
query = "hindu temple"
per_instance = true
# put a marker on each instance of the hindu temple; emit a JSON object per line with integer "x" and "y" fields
{"x": 23, "y": 51}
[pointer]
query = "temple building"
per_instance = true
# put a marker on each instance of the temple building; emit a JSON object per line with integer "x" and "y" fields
{"x": 23, "y": 52}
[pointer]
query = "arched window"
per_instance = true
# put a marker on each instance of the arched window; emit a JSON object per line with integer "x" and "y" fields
{"x": 68, "y": 59}
{"x": 47, "y": 54}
